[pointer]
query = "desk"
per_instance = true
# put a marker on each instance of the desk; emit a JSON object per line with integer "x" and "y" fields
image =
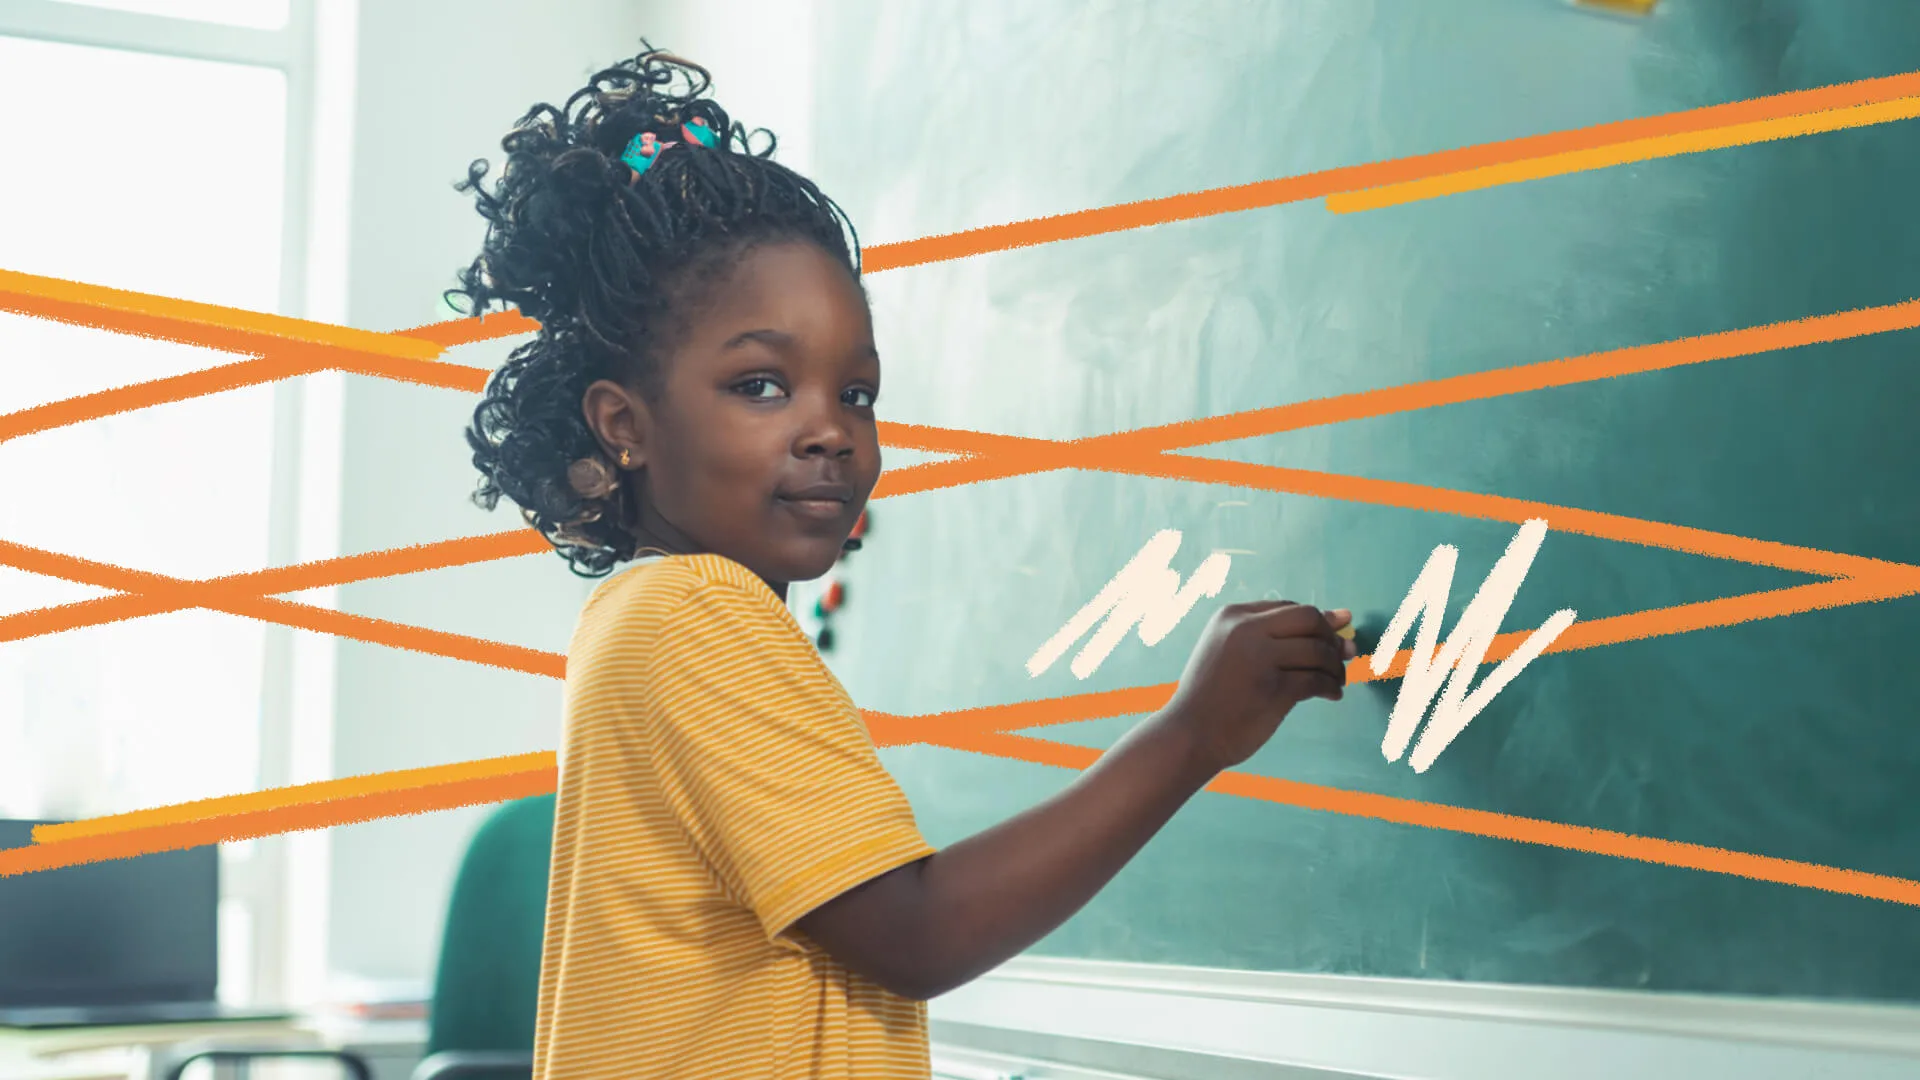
{"x": 391, "y": 1047}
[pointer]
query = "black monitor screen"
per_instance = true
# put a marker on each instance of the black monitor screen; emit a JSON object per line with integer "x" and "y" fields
{"x": 125, "y": 931}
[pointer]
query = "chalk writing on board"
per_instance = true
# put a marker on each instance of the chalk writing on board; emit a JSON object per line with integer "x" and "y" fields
{"x": 1146, "y": 592}
{"x": 1466, "y": 647}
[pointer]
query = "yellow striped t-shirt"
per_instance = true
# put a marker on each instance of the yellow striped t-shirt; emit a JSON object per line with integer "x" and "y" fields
{"x": 716, "y": 784}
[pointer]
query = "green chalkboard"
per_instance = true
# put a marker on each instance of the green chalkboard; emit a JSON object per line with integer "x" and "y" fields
{"x": 1793, "y": 737}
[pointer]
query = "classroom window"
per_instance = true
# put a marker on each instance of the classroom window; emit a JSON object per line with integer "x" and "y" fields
{"x": 148, "y": 156}
{"x": 178, "y": 193}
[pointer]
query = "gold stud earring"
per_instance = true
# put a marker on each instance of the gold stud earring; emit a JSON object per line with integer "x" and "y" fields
{"x": 626, "y": 459}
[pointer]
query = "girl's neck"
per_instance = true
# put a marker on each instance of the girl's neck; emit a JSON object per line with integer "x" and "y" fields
{"x": 654, "y": 534}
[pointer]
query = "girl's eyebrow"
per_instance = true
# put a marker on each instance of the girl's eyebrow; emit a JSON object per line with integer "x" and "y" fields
{"x": 773, "y": 338}
{"x": 779, "y": 340}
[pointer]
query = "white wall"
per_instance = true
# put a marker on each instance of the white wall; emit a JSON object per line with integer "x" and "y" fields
{"x": 439, "y": 82}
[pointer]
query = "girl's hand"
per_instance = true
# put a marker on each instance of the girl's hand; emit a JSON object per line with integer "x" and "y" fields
{"x": 1253, "y": 664}
{"x": 933, "y": 925}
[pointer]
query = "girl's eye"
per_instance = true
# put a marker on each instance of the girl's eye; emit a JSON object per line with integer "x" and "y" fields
{"x": 757, "y": 388}
{"x": 855, "y": 393}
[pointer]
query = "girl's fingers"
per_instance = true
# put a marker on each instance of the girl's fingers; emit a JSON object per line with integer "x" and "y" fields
{"x": 1313, "y": 684}
{"x": 1320, "y": 654}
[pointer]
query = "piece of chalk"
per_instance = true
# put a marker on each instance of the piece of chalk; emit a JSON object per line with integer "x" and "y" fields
{"x": 1346, "y": 631}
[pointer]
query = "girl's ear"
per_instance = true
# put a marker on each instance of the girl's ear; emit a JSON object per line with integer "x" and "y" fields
{"x": 620, "y": 422}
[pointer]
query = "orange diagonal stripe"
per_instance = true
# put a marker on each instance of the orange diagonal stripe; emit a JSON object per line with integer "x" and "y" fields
{"x": 189, "y": 322}
{"x": 1520, "y": 379}
{"x": 1602, "y": 157}
{"x": 466, "y": 331}
{"x": 284, "y": 579}
{"x": 282, "y": 810}
{"x": 351, "y": 787}
{"x": 1484, "y": 823}
{"x": 1469, "y": 504}
{"x": 158, "y": 592}
{"x": 1354, "y": 178}
{"x": 285, "y": 364}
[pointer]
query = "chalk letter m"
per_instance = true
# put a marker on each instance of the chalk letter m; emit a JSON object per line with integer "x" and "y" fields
{"x": 1146, "y": 591}
{"x": 1466, "y": 648}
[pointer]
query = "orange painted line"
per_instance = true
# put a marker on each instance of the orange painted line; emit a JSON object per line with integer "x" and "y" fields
{"x": 1094, "y": 455}
{"x": 981, "y": 456}
{"x": 473, "y": 328}
{"x": 1101, "y": 451}
{"x": 158, "y": 592}
{"x": 1604, "y": 157}
{"x": 391, "y": 562}
{"x": 1677, "y": 619}
{"x": 1485, "y": 823}
{"x": 1005, "y": 459}
{"x": 121, "y": 399}
{"x": 1352, "y": 178}
{"x": 439, "y": 374}
{"x": 349, "y": 787}
{"x": 1395, "y": 493}
{"x": 190, "y": 322}
{"x": 1520, "y": 379}
{"x": 283, "y": 810}
{"x": 418, "y": 639}
{"x": 940, "y": 475}
{"x": 888, "y": 729}
{"x": 940, "y": 440}
{"x": 284, "y": 361}
{"x": 151, "y": 594}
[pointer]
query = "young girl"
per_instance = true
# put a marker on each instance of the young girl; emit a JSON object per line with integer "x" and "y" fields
{"x": 738, "y": 888}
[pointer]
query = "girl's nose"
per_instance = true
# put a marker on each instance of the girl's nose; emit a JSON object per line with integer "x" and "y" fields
{"x": 827, "y": 435}
{"x": 831, "y": 444}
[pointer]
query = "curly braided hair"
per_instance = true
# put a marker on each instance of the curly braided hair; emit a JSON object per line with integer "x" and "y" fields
{"x": 615, "y": 269}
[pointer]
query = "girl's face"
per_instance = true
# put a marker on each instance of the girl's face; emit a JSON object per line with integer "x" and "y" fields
{"x": 762, "y": 446}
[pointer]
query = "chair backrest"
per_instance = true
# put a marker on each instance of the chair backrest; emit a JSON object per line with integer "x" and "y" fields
{"x": 487, "y": 984}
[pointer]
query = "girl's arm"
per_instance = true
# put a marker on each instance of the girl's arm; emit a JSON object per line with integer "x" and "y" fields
{"x": 939, "y": 923}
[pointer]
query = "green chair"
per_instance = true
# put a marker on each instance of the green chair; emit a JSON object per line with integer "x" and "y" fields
{"x": 487, "y": 984}
{"x": 487, "y": 987}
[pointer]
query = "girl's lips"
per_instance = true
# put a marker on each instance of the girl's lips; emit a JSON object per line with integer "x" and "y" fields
{"x": 816, "y": 509}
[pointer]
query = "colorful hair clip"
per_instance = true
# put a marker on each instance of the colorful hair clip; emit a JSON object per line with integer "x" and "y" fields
{"x": 696, "y": 130}
{"x": 643, "y": 149}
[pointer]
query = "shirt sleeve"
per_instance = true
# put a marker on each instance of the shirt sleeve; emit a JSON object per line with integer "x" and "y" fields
{"x": 765, "y": 761}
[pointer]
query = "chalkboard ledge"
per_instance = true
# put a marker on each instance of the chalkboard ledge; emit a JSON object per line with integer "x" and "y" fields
{"x": 1365, "y": 1027}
